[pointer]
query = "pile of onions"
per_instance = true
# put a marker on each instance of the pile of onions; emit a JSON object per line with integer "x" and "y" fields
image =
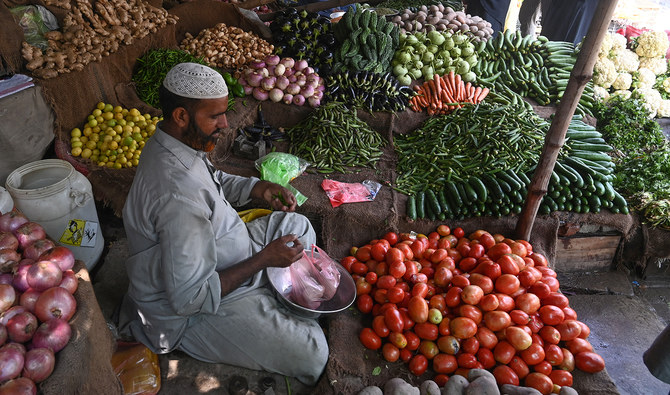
{"x": 36, "y": 302}
{"x": 283, "y": 80}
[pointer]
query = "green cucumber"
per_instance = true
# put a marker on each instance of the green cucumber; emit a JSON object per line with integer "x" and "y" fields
{"x": 514, "y": 185}
{"x": 433, "y": 203}
{"x": 479, "y": 188}
{"x": 411, "y": 207}
{"x": 493, "y": 186}
{"x": 453, "y": 195}
{"x": 420, "y": 204}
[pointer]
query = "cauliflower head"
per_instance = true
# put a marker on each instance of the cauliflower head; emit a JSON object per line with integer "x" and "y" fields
{"x": 625, "y": 60}
{"x": 600, "y": 93}
{"x": 623, "y": 81}
{"x": 657, "y": 65}
{"x": 611, "y": 43}
{"x": 619, "y": 41}
{"x": 651, "y": 98}
{"x": 663, "y": 109}
{"x": 624, "y": 94}
{"x": 666, "y": 85}
{"x": 604, "y": 73}
{"x": 652, "y": 44}
{"x": 645, "y": 78}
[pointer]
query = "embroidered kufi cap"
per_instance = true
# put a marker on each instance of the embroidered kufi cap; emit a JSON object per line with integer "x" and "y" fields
{"x": 195, "y": 81}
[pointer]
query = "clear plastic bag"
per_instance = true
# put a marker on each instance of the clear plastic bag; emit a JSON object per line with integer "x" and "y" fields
{"x": 35, "y": 21}
{"x": 342, "y": 192}
{"x": 137, "y": 368}
{"x": 314, "y": 278}
{"x": 281, "y": 168}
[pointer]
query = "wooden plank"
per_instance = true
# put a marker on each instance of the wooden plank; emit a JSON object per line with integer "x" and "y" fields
{"x": 585, "y": 253}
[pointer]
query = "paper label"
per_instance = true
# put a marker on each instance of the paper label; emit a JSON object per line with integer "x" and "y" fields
{"x": 80, "y": 233}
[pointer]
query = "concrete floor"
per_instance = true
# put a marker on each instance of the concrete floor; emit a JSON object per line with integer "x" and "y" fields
{"x": 625, "y": 315}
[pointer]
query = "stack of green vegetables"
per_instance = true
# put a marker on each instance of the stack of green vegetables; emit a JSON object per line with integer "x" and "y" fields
{"x": 332, "y": 137}
{"x": 413, "y": 6}
{"x": 512, "y": 64}
{"x": 643, "y": 157}
{"x": 367, "y": 41}
{"x": 422, "y": 55}
{"x": 479, "y": 161}
{"x": 368, "y": 90}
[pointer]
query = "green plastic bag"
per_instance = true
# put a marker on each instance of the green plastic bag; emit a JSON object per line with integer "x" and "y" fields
{"x": 35, "y": 21}
{"x": 281, "y": 168}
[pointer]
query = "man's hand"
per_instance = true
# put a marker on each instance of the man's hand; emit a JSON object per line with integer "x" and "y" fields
{"x": 278, "y": 197}
{"x": 283, "y": 251}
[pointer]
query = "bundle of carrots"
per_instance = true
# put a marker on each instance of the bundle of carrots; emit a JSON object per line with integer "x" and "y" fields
{"x": 443, "y": 94}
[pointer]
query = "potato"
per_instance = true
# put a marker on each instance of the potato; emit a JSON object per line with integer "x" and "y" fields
{"x": 509, "y": 389}
{"x": 567, "y": 391}
{"x": 483, "y": 385}
{"x": 455, "y": 386}
{"x": 429, "y": 387}
{"x": 474, "y": 374}
{"x": 398, "y": 386}
{"x": 371, "y": 390}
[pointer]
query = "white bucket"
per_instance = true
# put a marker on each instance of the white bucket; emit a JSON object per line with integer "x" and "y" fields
{"x": 53, "y": 194}
{"x": 6, "y": 202}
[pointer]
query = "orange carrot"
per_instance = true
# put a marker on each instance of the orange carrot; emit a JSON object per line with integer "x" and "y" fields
{"x": 482, "y": 95}
{"x": 476, "y": 93}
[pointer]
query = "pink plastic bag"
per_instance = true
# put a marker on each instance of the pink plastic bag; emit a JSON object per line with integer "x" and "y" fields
{"x": 342, "y": 192}
{"x": 314, "y": 278}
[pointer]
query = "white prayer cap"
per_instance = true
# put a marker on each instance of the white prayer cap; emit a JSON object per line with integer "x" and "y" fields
{"x": 195, "y": 81}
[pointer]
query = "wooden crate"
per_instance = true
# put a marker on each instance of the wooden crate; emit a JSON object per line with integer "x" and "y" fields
{"x": 585, "y": 253}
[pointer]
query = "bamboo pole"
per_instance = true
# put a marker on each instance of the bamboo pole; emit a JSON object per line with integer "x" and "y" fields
{"x": 581, "y": 74}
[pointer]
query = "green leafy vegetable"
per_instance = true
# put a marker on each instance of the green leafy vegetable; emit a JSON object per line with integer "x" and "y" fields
{"x": 376, "y": 371}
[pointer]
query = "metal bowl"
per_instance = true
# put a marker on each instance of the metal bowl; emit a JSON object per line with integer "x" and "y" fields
{"x": 280, "y": 278}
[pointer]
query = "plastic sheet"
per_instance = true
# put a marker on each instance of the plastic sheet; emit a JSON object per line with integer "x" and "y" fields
{"x": 137, "y": 368}
{"x": 342, "y": 192}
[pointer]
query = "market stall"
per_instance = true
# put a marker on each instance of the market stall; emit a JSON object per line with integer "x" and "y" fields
{"x": 407, "y": 149}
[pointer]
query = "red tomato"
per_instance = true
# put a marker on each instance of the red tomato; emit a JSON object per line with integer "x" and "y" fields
{"x": 359, "y": 268}
{"x": 505, "y": 302}
{"x": 378, "y": 251}
{"x": 508, "y": 265}
{"x": 426, "y": 330}
{"x": 489, "y": 302}
{"x": 533, "y": 354}
{"x": 363, "y": 287}
{"x": 553, "y": 354}
{"x": 408, "y": 323}
{"x": 364, "y": 303}
{"x": 467, "y": 264}
{"x": 448, "y": 263}
{"x": 428, "y": 349}
{"x": 482, "y": 281}
{"x": 390, "y": 352}
{"x": 552, "y": 282}
{"x": 519, "y": 249}
{"x": 487, "y": 240}
{"x": 476, "y": 250}
{"x": 550, "y": 334}
{"x": 371, "y": 278}
{"x": 391, "y": 237}
{"x": 505, "y": 375}
{"x": 551, "y": 315}
{"x": 405, "y": 355}
{"x": 440, "y": 379}
{"x": 519, "y": 317}
{"x": 393, "y": 320}
{"x": 578, "y": 345}
{"x": 395, "y": 294}
{"x": 497, "y": 320}
{"x": 518, "y": 338}
{"x": 539, "y": 259}
{"x": 557, "y": 299}
{"x": 503, "y": 352}
{"x": 562, "y": 378}
{"x": 458, "y": 232}
{"x": 471, "y": 312}
{"x": 412, "y": 340}
{"x": 540, "y": 382}
{"x": 406, "y": 251}
{"x": 460, "y": 281}
{"x": 491, "y": 270}
{"x": 445, "y": 363}
{"x": 438, "y": 302}
{"x": 535, "y": 323}
{"x": 466, "y": 360}
{"x": 472, "y": 294}
{"x": 418, "y": 247}
{"x": 527, "y": 278}
{"x": 443, "y": 327}
{"x": 443, "y": 230}
{"x": 364, "y": 253}
{"x": 449, "y": 345}
{"x": 411, "y": 269}
{"x": 486, "y": 337}
{"x": 540, "y": 289}
{"x": 386, "y": 282}
{"x": 347, "y": 261}
{"x": 439, "y": 255}
{"x": 420, "y": 290}
{"x": 585, "y": 332}
{"x": 370, "y": 339}
{"x": 463, "y": 327}
{"x": 569, "y": 330}
{"x": 485, "y": 357}
{"x": 528, "y": 303}
{"x": 507, "y": 284}
{"x": 543, "y": 367}
{"x": 382, "y": 269}
{"x": 470, "y": 345}
{"x": 418, "y": 364}
{"x": 519, "y": 366}
{"x": 498, "y": 250}
{"x": 570, "y": 314}
{"x": 380, "y": 327}
{"x": 453, "y": 296}
{"x": 397, "y": 269}
{"x": 568, "y": 363}
{"x": 418, "y": 309}
{"x": 379, "y": 295}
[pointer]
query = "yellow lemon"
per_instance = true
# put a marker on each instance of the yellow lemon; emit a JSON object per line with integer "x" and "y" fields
{"x": 108, "y": 107}
{"x": 97, "y": 112}
{"x": 76, "y": 151}
{"x": 86, "y": 153}
{"x": 76, "y": 132}
{"x": 100, "y": 106}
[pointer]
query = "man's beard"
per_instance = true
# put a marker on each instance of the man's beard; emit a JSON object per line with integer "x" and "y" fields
{"x": 196, "y": 138}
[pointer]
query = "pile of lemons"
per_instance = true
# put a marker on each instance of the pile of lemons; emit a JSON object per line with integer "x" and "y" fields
{"x": 113, "y": 136}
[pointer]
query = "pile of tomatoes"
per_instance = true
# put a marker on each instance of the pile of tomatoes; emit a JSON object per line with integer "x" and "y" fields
{"x": 456, "y": 303}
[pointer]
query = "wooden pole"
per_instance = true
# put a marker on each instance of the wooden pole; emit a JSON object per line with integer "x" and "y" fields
{"x": 581, "y": 74}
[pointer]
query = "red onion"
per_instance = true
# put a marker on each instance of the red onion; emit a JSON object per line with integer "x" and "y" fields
{"x": 300, "y": 65}
{"x": 29, "y": 232}
{"x": 6, "y": 278}
{"x": 288, "y": 63}
{"x": 260, "y": 94}
{"x": 62, "y": 256}
{"x": 276, "y": 95}
{"x": 9, "y": 259}
{"x": 272, "y": 60}
{"x": 19, "y": 386}
{"x": 279, "y": 70}
{"x": 38, "y": 364}
{"x": 29, "y": 298}
{"x": 299, "y": 100}
{"x": 22, "y": 327}
{"x": 268, "y": 83}
{"x": 314, "y": 102}
{"x": 254, "y": 79}
{"x": 11, "y": 363}
{"x": 8, "y": 240}
{"x": 7, "y": 297}
{"x": 70, "y": 281}
{"x": 53, "y": 334}
{"x": 15, "y": 346}
{"x": 37, "y": 248}
{"x": 11, "y": 221}
{"x": 55, "y": 302}
{"x": 11, "y": 312}
{"x": 292, "y": 89}
{"x": 20, "y": 281}
{"x": 288, "y": 98}
{"x": 43, "y": 275}
{"x": 3, "y": 334}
